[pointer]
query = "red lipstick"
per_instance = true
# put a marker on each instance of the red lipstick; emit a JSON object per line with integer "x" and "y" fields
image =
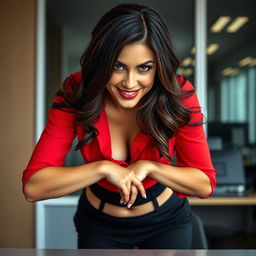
{"x": 128, "y": 94}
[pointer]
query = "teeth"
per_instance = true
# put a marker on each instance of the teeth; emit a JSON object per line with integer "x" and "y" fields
{"x": 128, "y": 93}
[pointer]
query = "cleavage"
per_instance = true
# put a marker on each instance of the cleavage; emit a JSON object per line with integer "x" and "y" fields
{"x": 121, "y": 136}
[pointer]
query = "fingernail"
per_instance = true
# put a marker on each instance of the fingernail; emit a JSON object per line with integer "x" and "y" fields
{"x": 145, "y": 196}
{"x": 129, "y": 205}
{"x": 121, "y": 201}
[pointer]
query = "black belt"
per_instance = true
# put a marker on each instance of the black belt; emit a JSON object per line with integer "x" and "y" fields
{"x": 114, "y": 197}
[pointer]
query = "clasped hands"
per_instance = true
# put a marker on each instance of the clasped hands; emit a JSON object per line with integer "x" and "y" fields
{"x": 129, "y": 179}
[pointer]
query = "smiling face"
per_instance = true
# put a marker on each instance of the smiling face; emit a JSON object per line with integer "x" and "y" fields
{"x": 132, "y": 77}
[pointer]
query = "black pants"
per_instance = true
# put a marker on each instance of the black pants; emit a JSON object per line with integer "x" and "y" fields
{"x": 168, "y": 227}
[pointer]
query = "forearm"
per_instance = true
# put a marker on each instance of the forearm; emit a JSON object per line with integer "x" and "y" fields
{"x": 52, "y": 182}
{"x": 186, "y": 180}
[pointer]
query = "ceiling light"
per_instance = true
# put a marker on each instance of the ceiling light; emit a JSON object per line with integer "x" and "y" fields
{"x": 220, "y": 23}
{"x": 180, "y": 71}
{"x": 237, "y": 24}
{"x": 227, "y": 71}
{"x": 230, "y": 71}
{"x": 212, "y": 48}
{"x": 185, "y": 71}
{"x": 187, "y": 62}
{"x": 245, "y": 61}
{"x": 253, "y": 63}
{"x": 189, "y": 71}
{"x": 235, "y": 72}
{"x": 193, "y": 50}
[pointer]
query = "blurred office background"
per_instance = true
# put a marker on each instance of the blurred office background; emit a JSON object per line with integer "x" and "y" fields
{"x": 42, "y": 42}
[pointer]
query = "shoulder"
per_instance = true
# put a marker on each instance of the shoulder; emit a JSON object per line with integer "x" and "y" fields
{"x": 69, "y": 87}
{"x": 72, "y": 82}
{"x": 184, "y": 83}
{"x": 77, "y": 76}
{"x": 190, "y": 100}
{"x": 188, "y": 94}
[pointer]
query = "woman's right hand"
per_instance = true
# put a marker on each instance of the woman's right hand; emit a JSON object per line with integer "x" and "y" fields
{"x": 123, "y": 178}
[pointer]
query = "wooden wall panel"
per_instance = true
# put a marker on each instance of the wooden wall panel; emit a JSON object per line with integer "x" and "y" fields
{"x": 17, "y": 106}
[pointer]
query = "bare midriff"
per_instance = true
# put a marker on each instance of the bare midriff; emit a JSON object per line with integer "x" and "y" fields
{"x": 119, "y": 211}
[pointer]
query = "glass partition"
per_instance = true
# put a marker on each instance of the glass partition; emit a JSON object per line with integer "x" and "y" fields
{"x": 231, "y": 53}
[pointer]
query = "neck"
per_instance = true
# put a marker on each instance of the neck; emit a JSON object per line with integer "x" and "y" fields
{"x": 115, "y": 108}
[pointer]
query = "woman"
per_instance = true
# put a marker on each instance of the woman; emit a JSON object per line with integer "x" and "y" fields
{"x": 131, "y": 114}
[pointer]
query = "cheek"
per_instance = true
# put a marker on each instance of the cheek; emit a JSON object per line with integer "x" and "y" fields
{"x": 114, "y": 79}
{"x": 148, "y": 81}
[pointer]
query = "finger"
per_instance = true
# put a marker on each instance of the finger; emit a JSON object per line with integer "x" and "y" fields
{"x": 128, "y": 185}
{"x": 125, "y": 192}
{"x": 140, "y": 187}
{"x": 121, "y": 195}
{"x": 134, "y": 193}
{"x": 121, "y": 198}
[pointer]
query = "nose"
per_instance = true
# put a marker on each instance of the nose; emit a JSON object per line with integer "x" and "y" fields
{"x": 130, "y": 81}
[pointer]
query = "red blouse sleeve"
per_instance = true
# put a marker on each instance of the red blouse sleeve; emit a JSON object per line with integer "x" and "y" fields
{"x": 191, "y": 144}
{"x": 55, "y": 141}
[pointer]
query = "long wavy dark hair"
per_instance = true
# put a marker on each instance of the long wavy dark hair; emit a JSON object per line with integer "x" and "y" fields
{"x": 160, "y": 110}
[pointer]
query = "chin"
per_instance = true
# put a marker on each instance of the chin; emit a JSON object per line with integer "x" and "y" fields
{"x": 128, "y": 105}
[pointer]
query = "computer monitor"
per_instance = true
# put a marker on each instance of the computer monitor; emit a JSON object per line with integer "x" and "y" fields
{"x": 215, "y": 143}
{"x": 231, "y": 134}
{"x": 230, "y": 172}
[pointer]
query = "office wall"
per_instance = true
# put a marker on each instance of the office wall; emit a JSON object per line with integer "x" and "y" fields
{"x": 17, "y": 74}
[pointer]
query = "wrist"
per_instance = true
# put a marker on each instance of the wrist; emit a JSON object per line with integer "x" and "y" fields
{"x": 103, "y": 168}
{"x": 152, "y": 168}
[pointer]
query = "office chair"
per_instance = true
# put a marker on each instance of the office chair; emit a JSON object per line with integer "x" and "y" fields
{"x": 199, "y": 240}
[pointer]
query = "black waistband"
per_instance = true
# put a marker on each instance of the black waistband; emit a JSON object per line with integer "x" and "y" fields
{"x": 114, "y": 197}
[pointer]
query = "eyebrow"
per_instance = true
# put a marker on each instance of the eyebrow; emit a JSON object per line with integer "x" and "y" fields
{"x": 144, "y": 63}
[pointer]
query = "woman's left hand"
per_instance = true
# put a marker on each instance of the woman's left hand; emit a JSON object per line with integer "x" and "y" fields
{"x": 141, "y": 168}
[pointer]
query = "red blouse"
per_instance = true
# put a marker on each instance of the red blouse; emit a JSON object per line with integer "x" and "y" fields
{"x": 55, "y": 142}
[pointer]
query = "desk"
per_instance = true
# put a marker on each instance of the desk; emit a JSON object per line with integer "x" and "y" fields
{"x": 119, "y": 252}
{"x": 224, "y": 201}
{"x": 227, "y": 210}
{"x": 223, "y": 217}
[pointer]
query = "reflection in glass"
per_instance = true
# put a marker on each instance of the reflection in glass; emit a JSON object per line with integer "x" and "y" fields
{"x": 232, "y": 69}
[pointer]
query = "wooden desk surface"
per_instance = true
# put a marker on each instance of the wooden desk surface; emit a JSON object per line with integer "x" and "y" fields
{"x": 247, "y": 200}
{"x": 126, "y": 252}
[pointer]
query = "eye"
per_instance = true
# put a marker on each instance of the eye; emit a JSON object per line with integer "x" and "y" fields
{"x": 145, "y": 68}
{"x": 118, "y": 66}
